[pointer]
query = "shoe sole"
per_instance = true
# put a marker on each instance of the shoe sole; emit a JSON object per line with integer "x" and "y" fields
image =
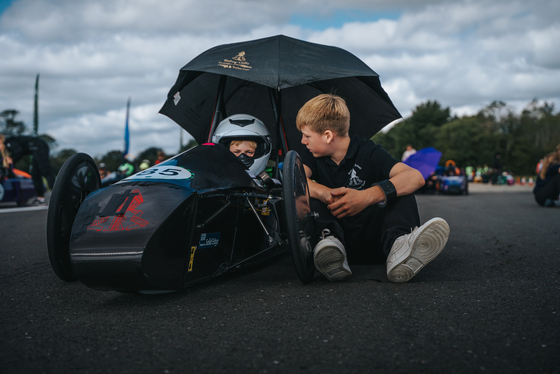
{"x": 329, "y": 261}
{"x": 428, "y": 244}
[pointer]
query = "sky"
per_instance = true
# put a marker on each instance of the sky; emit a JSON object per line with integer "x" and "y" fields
{"x": 93, "y": 55}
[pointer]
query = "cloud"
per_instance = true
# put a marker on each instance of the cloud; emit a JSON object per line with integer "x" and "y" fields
{"x": 68, "y": 21}
{"x": 93, "y": 55}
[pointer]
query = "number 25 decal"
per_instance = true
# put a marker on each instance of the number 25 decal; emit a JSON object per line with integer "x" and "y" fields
{"x": 163, "y": 172}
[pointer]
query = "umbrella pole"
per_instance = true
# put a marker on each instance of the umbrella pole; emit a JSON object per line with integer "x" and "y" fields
{"x": 280, "y": 142}
{"x": 218, "y": 106}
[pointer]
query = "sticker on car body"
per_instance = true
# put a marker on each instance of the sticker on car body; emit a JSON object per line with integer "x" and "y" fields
{"x": 163, "y": 172}
{"x": 209, "y": 240}
{"x": 191, "y": 261}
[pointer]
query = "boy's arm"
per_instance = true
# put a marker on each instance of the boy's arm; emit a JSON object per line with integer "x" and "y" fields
{"x": 405, "y": 179}
{"x": 348, "y": 202}
{"x": 316, "y": 190}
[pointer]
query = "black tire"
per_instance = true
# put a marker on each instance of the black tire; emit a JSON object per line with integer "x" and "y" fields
{"x": 299, "y": 219}
{"x": 77, "y": 178}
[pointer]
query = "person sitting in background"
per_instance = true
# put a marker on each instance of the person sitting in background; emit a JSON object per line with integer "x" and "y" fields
{"x": 20, "y": 146}
{"x": 547, "y": 187}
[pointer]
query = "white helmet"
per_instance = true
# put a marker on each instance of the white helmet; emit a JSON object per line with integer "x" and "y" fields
{"x": 246, "y": 127}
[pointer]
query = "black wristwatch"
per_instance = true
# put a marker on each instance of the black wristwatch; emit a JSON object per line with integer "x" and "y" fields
{"x": 388, "y": 190}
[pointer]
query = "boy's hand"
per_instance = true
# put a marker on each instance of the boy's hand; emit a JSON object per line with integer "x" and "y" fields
{"x": 348, "y": 202}
{"x": 326, "y": 197}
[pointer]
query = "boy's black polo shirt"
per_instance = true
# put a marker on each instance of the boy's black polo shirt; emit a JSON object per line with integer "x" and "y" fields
{"x": 365, "y": 163}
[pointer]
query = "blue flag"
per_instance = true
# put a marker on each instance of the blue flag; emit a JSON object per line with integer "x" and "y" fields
{"x": 126, "y": 132}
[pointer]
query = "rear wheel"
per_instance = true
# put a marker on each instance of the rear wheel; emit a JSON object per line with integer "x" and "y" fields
{"x": 299, "y": 218}
{"x": 77, "y": 178}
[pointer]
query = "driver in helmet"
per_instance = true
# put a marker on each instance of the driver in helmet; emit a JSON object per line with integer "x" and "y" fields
{"x": 247, "y": 138}
{"x": 243, "y": 147}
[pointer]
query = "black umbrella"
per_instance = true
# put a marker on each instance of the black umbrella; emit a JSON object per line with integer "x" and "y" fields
{"x": 271, "y": 79}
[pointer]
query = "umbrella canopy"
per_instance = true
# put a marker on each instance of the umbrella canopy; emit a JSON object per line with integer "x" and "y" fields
{"x": 425, "y": 161}
{"x": 271, "y": 79}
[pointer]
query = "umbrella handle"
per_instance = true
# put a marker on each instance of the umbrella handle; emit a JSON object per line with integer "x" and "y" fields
{"x": 280, "y": 126}
{"x": 217, "y": 106}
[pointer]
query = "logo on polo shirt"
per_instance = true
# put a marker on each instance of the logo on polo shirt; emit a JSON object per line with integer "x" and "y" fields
{"x": 355, "y": 181}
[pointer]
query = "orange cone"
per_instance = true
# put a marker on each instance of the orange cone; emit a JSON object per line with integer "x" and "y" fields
{"x": 523, "y": 181}
{"x": 531, "y": 181}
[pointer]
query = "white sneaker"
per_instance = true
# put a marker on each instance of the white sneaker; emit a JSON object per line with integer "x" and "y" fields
{"x": 411, "y": 252}
{"x": 329, "y": 257}
{"x": 37, "y": 202}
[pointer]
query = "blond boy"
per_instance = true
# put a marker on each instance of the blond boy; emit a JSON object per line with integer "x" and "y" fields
{"x": 364, "y": 197}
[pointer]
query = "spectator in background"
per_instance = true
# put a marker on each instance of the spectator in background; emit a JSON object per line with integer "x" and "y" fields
{"x": 129, "y": 166}
{"x": 16, "y": 147}
{"x": 547, "y": 187}
{"x": 539, "y": 166}
{"x": 103, "y": 172}
{"x": 469, "y": 172}
{"x": 144, "y": 165}
{"x": 160, "y": 157}
{"x": 497, "y": 170}
{"x": 409, "y": 152}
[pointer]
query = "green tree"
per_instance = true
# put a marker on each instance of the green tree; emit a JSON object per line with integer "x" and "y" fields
{"x": 502, "y": 121}
{"x": 8, "y": 124}
{"x": 388, "y": 141}
{"x": 49, "y": 140}
{"x": 149, "y": 154}
{"x": 112, "y": 159}
{"x": 192, "y": 143}
{"x": 58, "y": 159}
{"x": 521, "y": 140}
{"x": 467, "y": 141}
{"x": 419, "y": 130}
{"x": 540, "y": 126}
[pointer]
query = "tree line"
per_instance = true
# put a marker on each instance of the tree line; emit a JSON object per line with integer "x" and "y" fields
{"x": 474, "y": 140}
{"x": 521, "y": 139}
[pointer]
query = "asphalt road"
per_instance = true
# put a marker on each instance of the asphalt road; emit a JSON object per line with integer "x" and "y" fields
{"x": 489, "y": 303}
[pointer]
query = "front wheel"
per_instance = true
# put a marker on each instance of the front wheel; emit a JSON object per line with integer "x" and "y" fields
{"x": 77, "y": 178}
{"x": 299, "y": 218}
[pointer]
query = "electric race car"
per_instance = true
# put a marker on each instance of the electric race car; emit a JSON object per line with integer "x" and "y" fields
{"x": 15, "y": 186}
{"x": 191, "y": 218}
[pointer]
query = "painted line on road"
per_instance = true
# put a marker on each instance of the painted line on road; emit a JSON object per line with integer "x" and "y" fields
{"x": 23, "y": 209}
